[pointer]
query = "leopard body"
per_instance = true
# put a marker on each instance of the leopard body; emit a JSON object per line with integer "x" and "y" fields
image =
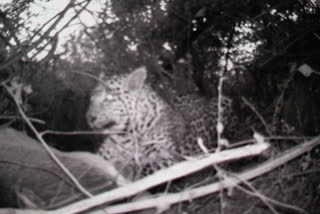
{"x": 145, "y": 132}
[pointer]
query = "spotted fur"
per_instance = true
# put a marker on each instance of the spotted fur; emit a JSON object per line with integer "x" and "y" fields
{"x": 146, "y": 132}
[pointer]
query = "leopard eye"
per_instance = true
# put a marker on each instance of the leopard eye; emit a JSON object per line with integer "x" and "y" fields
{"x": 110, "y": 97}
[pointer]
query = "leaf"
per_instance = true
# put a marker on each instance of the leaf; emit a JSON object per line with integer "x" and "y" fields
{"x": 306, "y": 70}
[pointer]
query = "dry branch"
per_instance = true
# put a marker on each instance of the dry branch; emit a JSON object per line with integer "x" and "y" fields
{"x": 24, "y": 50}
{"x": 166, "y": 200}
{"x": 227, "y": 182}
{"x": 79, "y": 132}
{"x": 11, "y": 117}
{"x": 177, "y": 171}
{"x": 258, "y": 115}
{"x": 44, "y": 144}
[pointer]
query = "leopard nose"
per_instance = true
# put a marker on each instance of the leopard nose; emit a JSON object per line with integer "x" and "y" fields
{"x": 91, "y": 119}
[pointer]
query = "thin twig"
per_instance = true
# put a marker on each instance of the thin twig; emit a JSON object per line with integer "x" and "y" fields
{"x": 178, "y": 170}
{"x": 220, "y": 112}
{"x": 53, "y": 132}
{"x": 16, "y": 56}
{"x": 8, "y": 117}
{"x": 44, "y": 144}
{"x": 245, "y": 142}
{"x": 271, "y": 202}
{"x": 258, "y": 115}
{"x": 89, "y": 75}
{"x": 311, "y": 171}
{"x": 227, "y": 182}
{"x": 255, "y": 192}
{"x": 220, "y": 125}
{"x": 63, "y": 27}
{"x": 187, "y": 195}
{"x": 278, "y": 105}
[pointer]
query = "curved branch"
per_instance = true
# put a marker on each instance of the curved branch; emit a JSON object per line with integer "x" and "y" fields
{"x": 17, "y": 55}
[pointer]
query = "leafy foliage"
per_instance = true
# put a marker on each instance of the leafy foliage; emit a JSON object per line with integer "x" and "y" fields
{"x": 253, "y": 43}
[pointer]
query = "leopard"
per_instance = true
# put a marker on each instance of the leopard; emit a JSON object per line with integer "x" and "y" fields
{"x": 144, "y": 131}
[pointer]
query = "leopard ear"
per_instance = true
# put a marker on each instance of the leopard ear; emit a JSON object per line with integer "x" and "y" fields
{"x": 101, "y": 76}
{"x": 137, "y": 78}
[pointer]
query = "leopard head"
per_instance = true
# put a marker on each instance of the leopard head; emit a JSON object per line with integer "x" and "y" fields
{"x": 114, "y": 100}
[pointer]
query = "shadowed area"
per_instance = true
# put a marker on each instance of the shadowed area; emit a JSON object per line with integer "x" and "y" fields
{"x": 28, "y": 175}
